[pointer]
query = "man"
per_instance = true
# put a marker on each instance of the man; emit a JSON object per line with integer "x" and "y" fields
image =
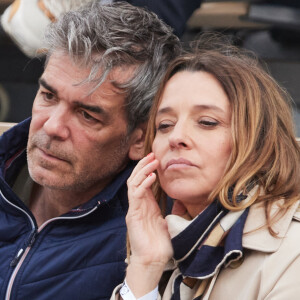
{"x": 62, "y": 228}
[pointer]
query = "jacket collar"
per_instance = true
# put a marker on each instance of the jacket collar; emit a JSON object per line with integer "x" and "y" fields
{"x": 257, "y": 237}
{"x": 14, "y": 139}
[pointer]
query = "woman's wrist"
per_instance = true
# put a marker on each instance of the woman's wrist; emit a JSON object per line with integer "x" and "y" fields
{"x": 126, "y": 293}
{"x": 143, "y": 278}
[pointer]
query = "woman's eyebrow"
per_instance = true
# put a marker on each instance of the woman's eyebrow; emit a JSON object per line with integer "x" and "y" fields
{"x": 169, "y": 109}
{"x": 208, "y": 107}
{"x": 164, "y": 110}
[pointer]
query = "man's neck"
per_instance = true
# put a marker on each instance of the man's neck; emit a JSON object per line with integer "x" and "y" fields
{"x": 46, "y": 203}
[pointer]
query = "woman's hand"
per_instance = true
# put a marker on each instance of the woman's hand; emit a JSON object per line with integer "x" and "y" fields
{"x": 147, "y": 230}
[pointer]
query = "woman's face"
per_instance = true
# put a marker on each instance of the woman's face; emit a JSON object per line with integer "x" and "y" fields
{"x": 193, "y": 137}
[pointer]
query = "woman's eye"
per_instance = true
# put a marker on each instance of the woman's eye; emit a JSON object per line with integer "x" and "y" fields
{"x": 163, "y": 126}
{"x": 208, "y": 123}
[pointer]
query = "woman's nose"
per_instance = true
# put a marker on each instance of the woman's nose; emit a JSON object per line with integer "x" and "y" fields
{"x": 57, "y": 124}
{"x": 178, "y": 138}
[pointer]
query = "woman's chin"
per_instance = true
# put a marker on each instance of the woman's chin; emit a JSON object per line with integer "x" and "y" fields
{"x": 185, "y": 195}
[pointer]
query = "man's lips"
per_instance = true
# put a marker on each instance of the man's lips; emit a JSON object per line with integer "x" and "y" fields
{"x": 51, "y": 155}
{"x": 179, "y": 163}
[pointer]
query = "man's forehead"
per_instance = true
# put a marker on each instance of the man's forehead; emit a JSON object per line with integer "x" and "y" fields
{"x": 59, "y": 63}
{"x": 122, "y": 74}
{"x": 81, "y": 75}
{"x": 112, "y": 85}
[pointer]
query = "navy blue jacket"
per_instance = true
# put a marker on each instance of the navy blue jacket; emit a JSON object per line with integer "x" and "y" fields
{"x": 77, "y": 256}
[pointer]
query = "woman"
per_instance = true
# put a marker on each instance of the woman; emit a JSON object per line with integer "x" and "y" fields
{"x": 223, "y": 148}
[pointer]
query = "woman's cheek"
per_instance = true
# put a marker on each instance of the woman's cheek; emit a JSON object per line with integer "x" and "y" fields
{"x": 155, "y": 148}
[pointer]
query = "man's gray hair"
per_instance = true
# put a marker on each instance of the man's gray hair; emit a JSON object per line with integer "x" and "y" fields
{"x": 105, "y": 36}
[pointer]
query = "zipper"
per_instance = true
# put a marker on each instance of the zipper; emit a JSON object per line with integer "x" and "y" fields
{"x": 23, "y": 252}
{"x": 27, "y": 244}
{"x": 17, "y": 261}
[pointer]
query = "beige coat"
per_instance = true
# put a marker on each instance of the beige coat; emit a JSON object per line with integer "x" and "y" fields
{"x": 271, "y": 265}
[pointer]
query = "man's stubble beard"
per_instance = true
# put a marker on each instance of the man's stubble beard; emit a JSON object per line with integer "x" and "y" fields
{"x": 114, "y": 163}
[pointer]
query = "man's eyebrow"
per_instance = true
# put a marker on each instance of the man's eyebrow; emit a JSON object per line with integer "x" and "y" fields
{"x": 47, "y": 86}
{"x": 92, "y": 108}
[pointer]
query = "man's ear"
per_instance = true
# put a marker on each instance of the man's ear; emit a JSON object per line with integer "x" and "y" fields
{"x": 136, "y": 150}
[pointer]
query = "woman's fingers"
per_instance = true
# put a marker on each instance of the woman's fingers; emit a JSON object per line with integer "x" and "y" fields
{"x": 143, "y": 169}
{"x": 147, "y": 229}
{"x": 142, "y": 194}
{"x": 148, "y": 181}
{"x": 143, "y": 175}
{"x": 144, "y": 161}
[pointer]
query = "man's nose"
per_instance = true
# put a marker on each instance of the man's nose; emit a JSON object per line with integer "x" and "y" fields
{"x": 57, "y": 124}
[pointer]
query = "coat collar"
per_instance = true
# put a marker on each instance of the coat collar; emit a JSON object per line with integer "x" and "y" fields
{"x": 257, "y": 237}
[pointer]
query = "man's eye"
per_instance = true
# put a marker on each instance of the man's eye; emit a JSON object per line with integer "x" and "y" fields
{"x": 47, "y": 96}
{"x": 88, "y": 117}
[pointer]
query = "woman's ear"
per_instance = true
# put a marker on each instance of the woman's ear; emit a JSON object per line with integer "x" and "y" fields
{"x": 136, "y": 150}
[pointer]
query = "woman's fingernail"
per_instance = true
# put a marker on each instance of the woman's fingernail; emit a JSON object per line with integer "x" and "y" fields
{"x": 149, "y": 154}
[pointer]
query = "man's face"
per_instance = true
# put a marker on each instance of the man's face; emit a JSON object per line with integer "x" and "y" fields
{"x": 77, "y": 141}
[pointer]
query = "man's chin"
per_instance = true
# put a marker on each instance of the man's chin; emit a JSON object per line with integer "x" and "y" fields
{"x": 53, "y": 185}
{"x": 49, "y": 179}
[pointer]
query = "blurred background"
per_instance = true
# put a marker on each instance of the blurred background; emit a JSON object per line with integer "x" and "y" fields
{"x": 270, "y": 28}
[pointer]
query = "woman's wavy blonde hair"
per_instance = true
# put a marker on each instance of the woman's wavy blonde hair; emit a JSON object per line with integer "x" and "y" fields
{"x": 264, "y": 149}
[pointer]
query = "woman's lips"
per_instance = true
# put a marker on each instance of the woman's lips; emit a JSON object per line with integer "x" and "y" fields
{"x": 179, "y": 163}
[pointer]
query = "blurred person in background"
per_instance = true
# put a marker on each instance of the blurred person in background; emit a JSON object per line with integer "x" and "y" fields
{"x": 24, "y": 21}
